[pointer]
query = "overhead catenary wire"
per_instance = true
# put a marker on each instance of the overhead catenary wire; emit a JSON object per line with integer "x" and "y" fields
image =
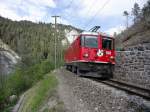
{"x": 65, "y": 15}
{"x": 68, "y": 6}
{"x": 89, "y": 10}
{"x": 71, "y": 1}
{"x": 93, "y": 17}
{"x": 91, "y": 7}
{"x": 76, "y": 6}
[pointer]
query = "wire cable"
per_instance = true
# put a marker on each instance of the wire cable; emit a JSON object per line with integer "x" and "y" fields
{"x": 71, "y": 1}
{"x": 93, "y": 17}
{"x": 91, "y": 6}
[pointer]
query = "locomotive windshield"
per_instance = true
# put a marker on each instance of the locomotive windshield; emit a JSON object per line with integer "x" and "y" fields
{"x": 107, "y": 43}
{"x": 89, "y": 41}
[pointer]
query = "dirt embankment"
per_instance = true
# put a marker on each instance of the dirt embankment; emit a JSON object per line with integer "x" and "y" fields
{"x": 139, "y": 33}
{"x": 42, "y": 97}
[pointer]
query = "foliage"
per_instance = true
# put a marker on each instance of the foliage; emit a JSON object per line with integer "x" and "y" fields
{"x": 33, "y": 41}
{"x": 125, "y": 13}
{"x": 46, "y": 66}
{"x": 3, "y": 79}
{"x": 146, "y": 10}
{"x": 44, "y": 88}
{"x": 136, "y": 12}
{"x": 141, "y": 25}
{"x": 24, "y": 78}
{"x": 139, "y": 14}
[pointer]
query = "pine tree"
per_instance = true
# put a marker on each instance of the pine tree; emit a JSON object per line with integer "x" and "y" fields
{"x": 146, "y": 11}
{"x": 136, "y": 12}
{"x": 125, "y": 13}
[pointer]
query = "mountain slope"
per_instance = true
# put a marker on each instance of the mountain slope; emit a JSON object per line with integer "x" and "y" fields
{"x": 34, "y": 41}
{"x": 139, "y": 33}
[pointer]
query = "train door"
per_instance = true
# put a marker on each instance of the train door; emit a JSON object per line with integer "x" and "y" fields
{"x": 108, "y": 48}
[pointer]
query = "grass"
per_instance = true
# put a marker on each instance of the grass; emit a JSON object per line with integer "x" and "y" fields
{"x": 21, "y": 80}
{"x": 36, "y": 96}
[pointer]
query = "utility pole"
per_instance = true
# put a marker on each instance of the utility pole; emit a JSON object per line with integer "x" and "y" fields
{"x": 55, "y": 17}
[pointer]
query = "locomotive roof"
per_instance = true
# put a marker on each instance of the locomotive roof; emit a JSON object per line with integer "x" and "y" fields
{"x": 96, "y": 33}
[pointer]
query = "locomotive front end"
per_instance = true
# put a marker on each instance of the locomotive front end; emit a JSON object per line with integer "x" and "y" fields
{"x": 97, "y": 54}
{"x": 97, "y": 49}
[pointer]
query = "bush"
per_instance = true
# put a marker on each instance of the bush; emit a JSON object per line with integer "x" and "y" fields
{"x": 16, "y": 82}
{"x": 46, "y": 66}
{"x": 44, "y": 89}
{"x": 23, "y": 78}
{"x": 3, "y": 79}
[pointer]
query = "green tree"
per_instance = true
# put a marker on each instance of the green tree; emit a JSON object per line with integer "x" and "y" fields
{"x": 126, "y": 14}
{"x": 136, "y": 12}
{"x": 146, "y": 11}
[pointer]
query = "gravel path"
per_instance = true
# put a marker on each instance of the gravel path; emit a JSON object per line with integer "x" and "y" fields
{"x": 66, "y": 94}
{"x": 84, "y": 95}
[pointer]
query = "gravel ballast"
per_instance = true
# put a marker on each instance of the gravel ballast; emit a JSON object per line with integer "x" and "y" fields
{"x": 85, "y": 95}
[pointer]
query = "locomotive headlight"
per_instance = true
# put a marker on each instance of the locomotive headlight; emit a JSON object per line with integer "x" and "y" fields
{"x": 111, "y": 57}
{"x": 86, "y": 55}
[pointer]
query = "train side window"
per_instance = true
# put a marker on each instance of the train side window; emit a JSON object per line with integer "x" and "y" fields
{"x": 107, "y": 44}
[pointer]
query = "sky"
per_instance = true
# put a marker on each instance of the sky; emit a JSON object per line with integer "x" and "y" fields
{"x": 82, "y": 14}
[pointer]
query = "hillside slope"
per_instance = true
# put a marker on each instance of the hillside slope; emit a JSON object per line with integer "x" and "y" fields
{"x": 137, "y": 34}
{"x": 34, "y": 41}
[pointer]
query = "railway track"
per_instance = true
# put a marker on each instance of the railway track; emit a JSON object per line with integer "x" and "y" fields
{"x": 131, "y": 89}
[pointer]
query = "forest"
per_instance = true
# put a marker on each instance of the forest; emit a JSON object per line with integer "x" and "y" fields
{"x": 33, "y": 41}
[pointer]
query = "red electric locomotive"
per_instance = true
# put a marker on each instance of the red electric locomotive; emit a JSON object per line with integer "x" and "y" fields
{"x": 91, "y": 54}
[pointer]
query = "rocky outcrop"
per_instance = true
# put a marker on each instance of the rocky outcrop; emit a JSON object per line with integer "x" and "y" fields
{"x": 8, "y": 59}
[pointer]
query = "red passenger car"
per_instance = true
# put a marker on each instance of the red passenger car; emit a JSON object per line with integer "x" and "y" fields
{"x": 91, "y": 54}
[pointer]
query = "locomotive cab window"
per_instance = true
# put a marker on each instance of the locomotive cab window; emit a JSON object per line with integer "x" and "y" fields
{"x": 89, "y": 41}
{"x": 107, "y": 43}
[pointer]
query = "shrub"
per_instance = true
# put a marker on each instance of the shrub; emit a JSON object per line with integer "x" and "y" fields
{"x": 3, "y": 79}
{"x": 45, "y": 89}
{"x": 16, "y": 82}
{"x": 46, "y": 66}
{"x": 23, "y": 78}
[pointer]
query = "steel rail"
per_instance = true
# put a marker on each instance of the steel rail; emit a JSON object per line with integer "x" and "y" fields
{"x": 131, "y": 89}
